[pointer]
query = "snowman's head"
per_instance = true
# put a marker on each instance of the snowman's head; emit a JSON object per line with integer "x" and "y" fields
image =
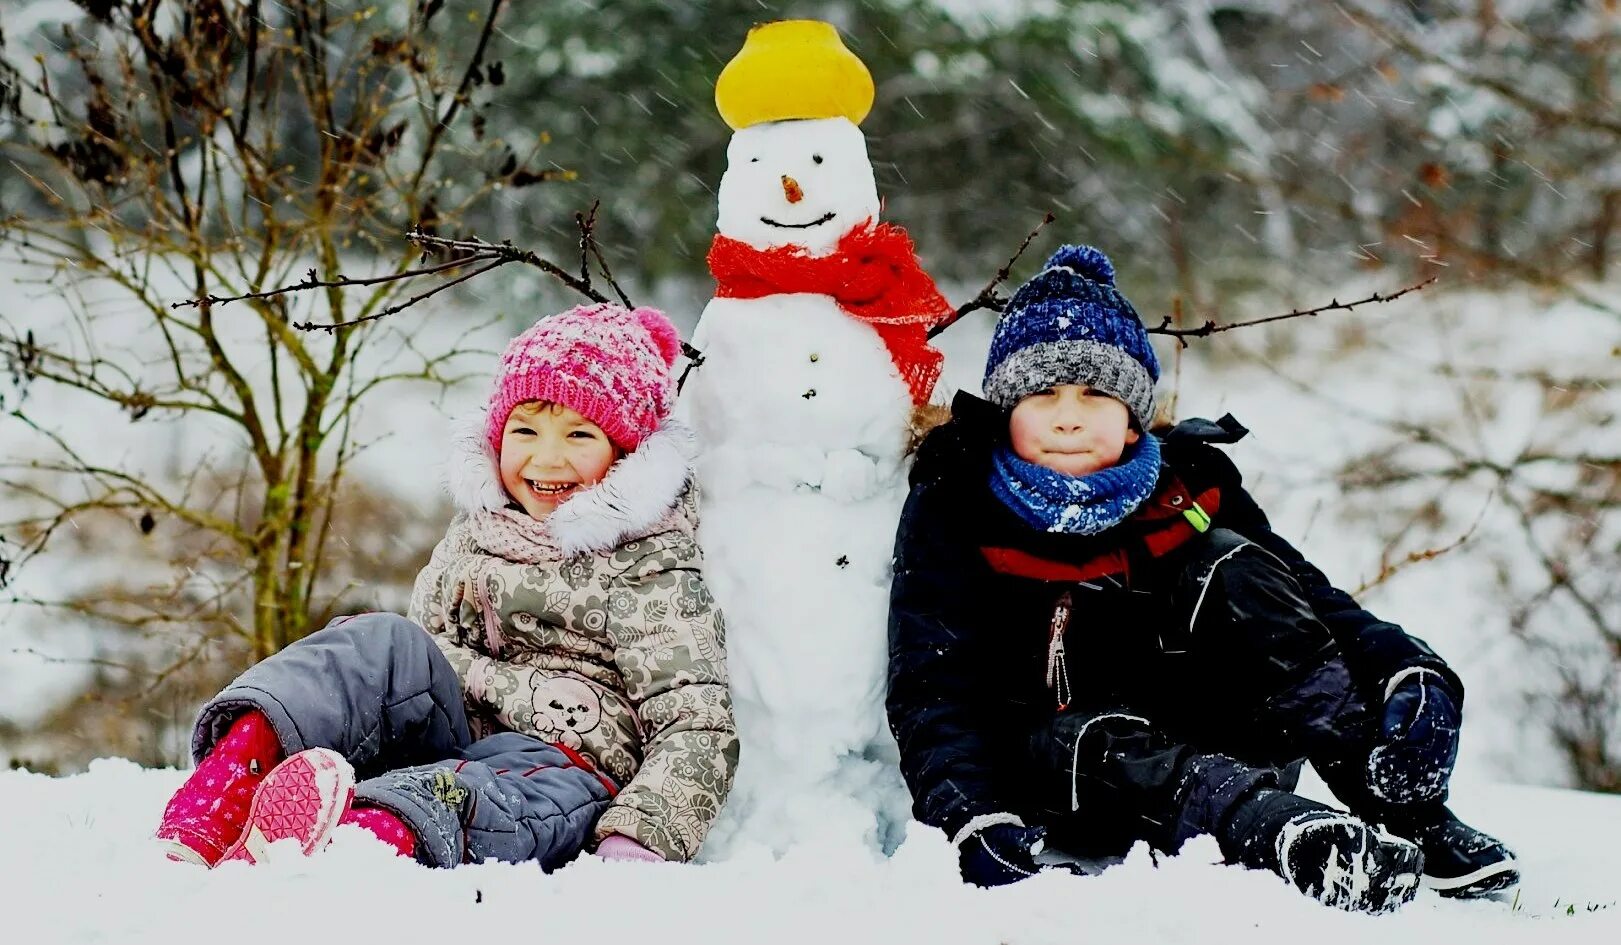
{"x": 802, "y": 182}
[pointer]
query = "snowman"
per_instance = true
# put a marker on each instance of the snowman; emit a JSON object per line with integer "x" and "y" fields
{"x": 815, "y": 357}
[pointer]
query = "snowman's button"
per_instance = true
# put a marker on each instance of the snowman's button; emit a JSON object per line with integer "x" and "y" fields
{"x": 815, "y": 357}
{"x": 809, "y": 394}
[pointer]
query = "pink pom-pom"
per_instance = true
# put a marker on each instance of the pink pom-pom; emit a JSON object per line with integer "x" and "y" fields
{"x": 664, "y": 333}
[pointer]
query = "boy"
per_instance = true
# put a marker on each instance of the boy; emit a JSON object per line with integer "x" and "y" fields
{"x": 1094, "y": 631}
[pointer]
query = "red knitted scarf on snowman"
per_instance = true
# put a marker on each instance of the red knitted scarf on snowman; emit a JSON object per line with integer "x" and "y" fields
{"x": 872, "y": 273}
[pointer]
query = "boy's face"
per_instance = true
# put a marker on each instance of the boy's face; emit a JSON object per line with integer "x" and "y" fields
{"x": 550, "y": 453}
{"x": 1071, "y": 429}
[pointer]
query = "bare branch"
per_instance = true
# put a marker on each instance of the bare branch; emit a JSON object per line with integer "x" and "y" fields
{"x": 74, "y": 660}
{"x": 988, "y": 297}
{"x": 396, "y": 309}
{"x": 313, "y": 281}
{"x": 464, "y": 252}
{"x": 1211, "y": 327}
{"x": 1389, "y": 569}
{"x": 117, "y": 481}
{"x": 508, "y": 253}
{"x": 588, "y": 241}
{"x": 460, "y": 96}
{"x": 1559, "y": 578}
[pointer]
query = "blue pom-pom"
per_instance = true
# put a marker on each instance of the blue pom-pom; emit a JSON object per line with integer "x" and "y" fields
{"x": 1089, "y": 261}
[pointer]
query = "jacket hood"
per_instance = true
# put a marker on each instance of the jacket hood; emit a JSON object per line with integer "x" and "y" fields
{"x": 632, "y": 501}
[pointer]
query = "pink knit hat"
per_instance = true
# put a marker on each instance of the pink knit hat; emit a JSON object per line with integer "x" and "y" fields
{"x": 608, "y": 363}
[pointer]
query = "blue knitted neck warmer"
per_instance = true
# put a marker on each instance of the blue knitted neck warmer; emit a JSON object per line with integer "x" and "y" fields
{"x": 1076, "y": 505}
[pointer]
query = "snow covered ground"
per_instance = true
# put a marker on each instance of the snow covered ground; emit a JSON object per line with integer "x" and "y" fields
{"x": 77, "y": 871}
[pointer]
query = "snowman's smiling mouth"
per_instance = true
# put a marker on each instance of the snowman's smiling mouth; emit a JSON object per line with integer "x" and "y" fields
{"x": 799, "y": 226}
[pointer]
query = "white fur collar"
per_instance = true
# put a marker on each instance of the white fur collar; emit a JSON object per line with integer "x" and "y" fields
{"x": 630, "y": 501}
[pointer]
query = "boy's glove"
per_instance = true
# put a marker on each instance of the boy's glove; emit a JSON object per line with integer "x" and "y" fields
{"x": 1000, "y": 853}
{"x": 1412, "y": 759}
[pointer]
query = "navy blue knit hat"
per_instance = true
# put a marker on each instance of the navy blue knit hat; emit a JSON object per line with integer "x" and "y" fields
{"x": 1070, "y": 325}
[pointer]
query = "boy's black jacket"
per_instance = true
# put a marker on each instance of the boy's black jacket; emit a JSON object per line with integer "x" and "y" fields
{"x": 969, "y": 642}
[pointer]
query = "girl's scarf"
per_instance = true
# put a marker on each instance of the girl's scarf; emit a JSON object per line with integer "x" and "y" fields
{"x": 512, "y": 534}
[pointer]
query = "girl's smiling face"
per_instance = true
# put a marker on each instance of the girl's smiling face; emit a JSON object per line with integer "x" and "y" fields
{"x": 550, "y": 453}
{"x": 1071, "y": 428}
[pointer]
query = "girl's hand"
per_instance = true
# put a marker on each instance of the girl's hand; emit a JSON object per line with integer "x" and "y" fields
{"x": 620, "y": 847}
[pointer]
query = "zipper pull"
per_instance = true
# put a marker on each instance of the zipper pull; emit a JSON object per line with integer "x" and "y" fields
{"x": 1055, "y": 639}
{"x": 1197, "y": 517}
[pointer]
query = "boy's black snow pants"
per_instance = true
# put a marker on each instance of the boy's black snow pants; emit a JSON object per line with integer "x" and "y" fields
{"x": 376, "y": 689}
{"x": 1258, "y": 684}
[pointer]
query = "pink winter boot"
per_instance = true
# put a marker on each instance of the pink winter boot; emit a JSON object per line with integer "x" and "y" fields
{"x": 206, "y": 815}
{"x": 385, "y": 825}
{"x": 302, "y": 799}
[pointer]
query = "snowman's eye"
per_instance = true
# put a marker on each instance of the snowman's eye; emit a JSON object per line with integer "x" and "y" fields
{"x": 816, "y": 158}
{"x": 754, "y": 160}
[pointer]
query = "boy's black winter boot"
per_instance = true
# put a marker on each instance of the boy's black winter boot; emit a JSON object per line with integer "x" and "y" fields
{"x": 1328, "y": 855}
{"x": 1459, "y": 861}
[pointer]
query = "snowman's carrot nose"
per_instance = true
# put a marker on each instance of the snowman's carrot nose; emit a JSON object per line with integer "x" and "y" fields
{"x": 792, "y": 190}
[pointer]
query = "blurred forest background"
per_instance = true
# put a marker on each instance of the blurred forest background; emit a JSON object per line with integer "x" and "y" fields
{"x": 185, "y": 489}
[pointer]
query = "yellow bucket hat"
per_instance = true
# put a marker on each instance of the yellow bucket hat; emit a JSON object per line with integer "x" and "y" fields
{"x": 793, "y": 69}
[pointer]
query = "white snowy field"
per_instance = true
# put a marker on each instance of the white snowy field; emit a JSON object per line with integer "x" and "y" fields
{"x": 77, "y": 869}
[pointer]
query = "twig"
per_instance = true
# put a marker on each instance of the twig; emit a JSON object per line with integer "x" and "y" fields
{"x": 988, "y": 297}
{"x": 695, "y": 359}
{"x": 1210, "y": 327}
{"x": 588, "y": 240}
{"x": 585, "y": 221}
{"x": 1388, "y": 569}
{"x": 460, "y": 96}
{"x": 396, "y": 309}
{"x": 1559, "y": 578}
{"x": 312, "y": 281}
{"x": 252, "y": 21}
{"x": 465, "y": 252}
{"x": 78, "y": 660}
{"x": 509, "y": 253}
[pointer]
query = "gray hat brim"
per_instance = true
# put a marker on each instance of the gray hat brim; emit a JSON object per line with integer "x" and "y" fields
{"x": 1099, "y": 366}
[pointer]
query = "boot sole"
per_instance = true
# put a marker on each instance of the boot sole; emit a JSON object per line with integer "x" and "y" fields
{"x": 303, "y": 798}
{"x": 180, "y": 853}
{"x": 1364, "y": 870}
{"x": 1496, "y": 877}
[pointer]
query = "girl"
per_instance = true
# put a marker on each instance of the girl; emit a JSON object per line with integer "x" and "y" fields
{"x": 560, "y": 682}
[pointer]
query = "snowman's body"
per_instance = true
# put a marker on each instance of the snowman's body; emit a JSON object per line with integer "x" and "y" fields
{"x": 803, "y": 419}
